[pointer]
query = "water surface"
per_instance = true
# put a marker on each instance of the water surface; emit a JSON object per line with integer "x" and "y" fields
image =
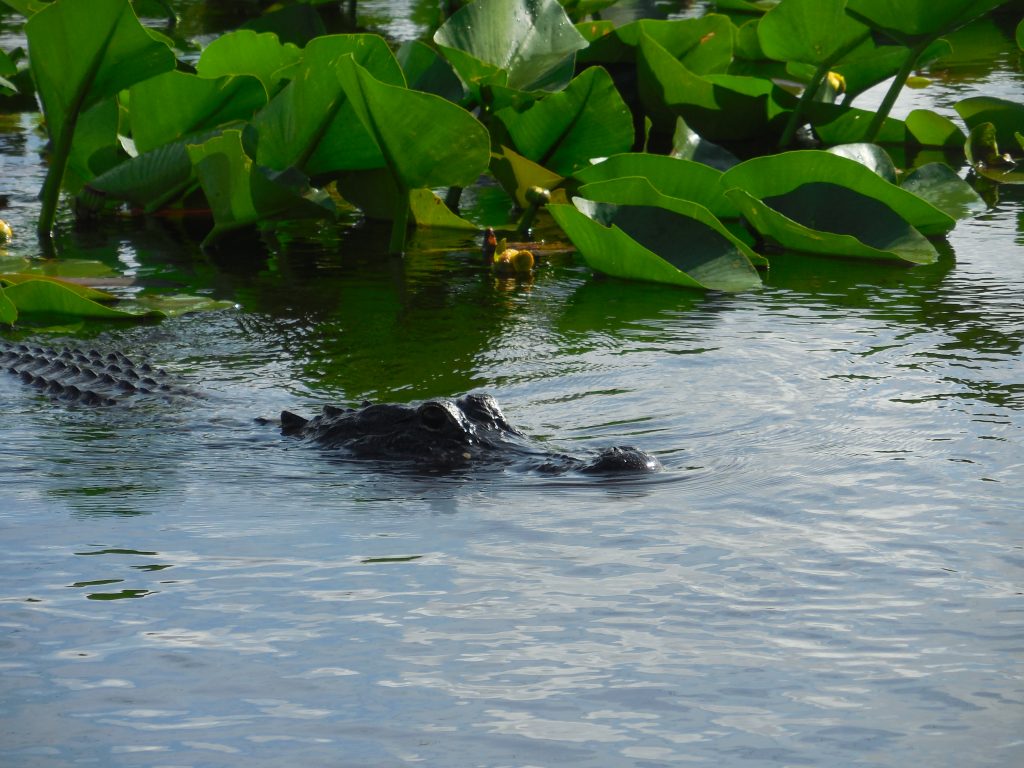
{"x": 828, "y": 572}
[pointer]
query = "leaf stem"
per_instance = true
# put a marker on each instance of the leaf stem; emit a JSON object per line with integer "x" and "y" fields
{"x": 894, "y": 89}
{"x": 796, "y": 116}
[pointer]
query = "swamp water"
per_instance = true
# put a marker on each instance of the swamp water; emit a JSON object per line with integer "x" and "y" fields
{"x": 829, "y": 572}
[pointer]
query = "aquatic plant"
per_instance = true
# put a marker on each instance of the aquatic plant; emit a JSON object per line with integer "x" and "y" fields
{"x": 601, "y": 116}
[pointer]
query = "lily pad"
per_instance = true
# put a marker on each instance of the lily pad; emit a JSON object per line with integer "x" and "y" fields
{"x": 870, "y": 156}
{"x": 563, "y": 131}
{"x": 703, "y": 45}
{"x": 983, "y": 153}
{"x": 176, "y": 104}
{"x": 518, "y": 175}
{"x": 50, "y": 297}
{"x": 1007, "y": 117}
{"x": 912, "y": 21}
{"x": 810, "y": 31}
{"x": 310, "y": 124}
{"x": 939, "y": 184}
{"x": 112, "y": 52}
{"x": 630, "y": 230}
{"x": 674, "y": 177}
{"x": 777, "y": 175}
{"x": 8, "y": 312}
{"x": 820, "y": 217}
{"x": 242, "y": 193}
{"x": 532, "y": 41}
{"x": 246, "y": 52}
{"x": 719, "y": 107}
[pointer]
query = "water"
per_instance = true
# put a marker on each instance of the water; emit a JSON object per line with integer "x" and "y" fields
{"x": 828, "y": 573}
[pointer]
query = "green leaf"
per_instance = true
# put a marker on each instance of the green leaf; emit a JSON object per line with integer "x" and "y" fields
{"x": 16, "y": 278}
{"x": 930, "y": 129}
{"x": 426, "y": 70}
{"x": 428, "y": 210}
{"x": 178, "y": 304}
{"x": 982, "y": 150}
{"x": 517, "y": 175}
{"x": 626, "y": 228}
{"x": 814, "y": 32}
{"x": 704, "y": 46}
{"x": 910, "y": 21}
{"x": 173, "y": 105}
{"x": 819, "y": 217}
{"x": 111, "y": 51}
{"x": 673, "y": 177}
{"x": 563, "y": 131}
{"x": 50, "y": 297}
{"x": 148, "y": 181}
{"x": 245, "y": 52}
{"x": 870, "y": 156}
{"x": 310, "y": 123}
{"x": 8, "y": 312}
{"x": 687, "y": 144}
{"x": 434, "y": 144}
{"x": 776, "y": 175}
{"x": 533, "y": 41}
{"x": 718, "y": 107}
{"x": 1020, "y": 35}
{"x": 1007, "y": 117}
{"x": 242, "y": 193}
{"x": 939, "y": 185}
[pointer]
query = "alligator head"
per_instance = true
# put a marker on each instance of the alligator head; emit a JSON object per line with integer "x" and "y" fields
{"x": 446, "y": 434}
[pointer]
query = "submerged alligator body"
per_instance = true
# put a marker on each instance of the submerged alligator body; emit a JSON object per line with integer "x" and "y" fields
{"x": 89, "y": 377}
{"x": 438, "y": 434}
{"x": 447, "y": 434}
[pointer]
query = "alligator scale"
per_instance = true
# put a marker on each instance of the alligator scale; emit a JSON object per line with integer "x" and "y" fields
{"x": 436, "y": 434}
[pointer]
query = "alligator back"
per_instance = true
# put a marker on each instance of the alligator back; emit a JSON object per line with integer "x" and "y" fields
{"x": 88, "y": 376}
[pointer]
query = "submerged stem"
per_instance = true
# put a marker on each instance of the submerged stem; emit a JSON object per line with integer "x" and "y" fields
{"x": 400, "y": 224}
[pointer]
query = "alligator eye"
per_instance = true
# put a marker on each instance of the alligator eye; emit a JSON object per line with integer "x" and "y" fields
{"x": 433, "y": 416}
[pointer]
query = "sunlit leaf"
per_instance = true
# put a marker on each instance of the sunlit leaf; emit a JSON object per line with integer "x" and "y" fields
{"x": 49, "y": 297}
{"x": 563, "y": 131}
{"x": 533, "y": 41}
{"x": 246, "y": 52}
{"x": 173, "y": 105}
{"x": 809, "y": 31}
{"x": 703, "y": 45}
{"x": 111, "y": 52}
{"x": 777, "y": 175}
{"x": 242, "y": 193}
{"x": 870, "y": 156}
{"x": 434, "y": 144}
{"x": 673, "y": 177}
{"x": 718, "y": 107}
{"x": 626, "y": 228}
{"x": 819, "y": 217}
{"x": 913, "y": 20}
{"x": 310, "y": 123}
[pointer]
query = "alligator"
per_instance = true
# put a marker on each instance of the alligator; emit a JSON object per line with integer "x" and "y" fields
{"x": 439, "y": 434}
